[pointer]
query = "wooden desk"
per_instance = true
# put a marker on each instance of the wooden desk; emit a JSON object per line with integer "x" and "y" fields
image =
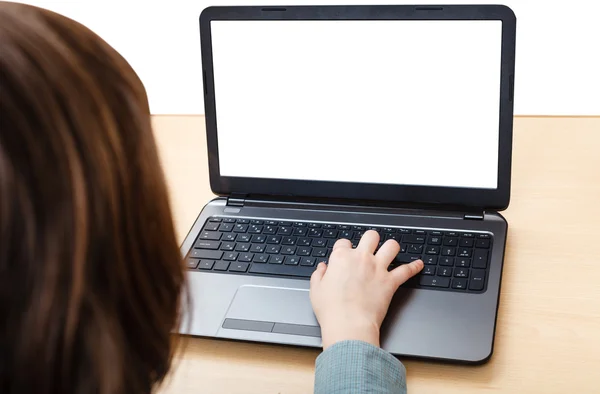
{"x": 548, "y": 333}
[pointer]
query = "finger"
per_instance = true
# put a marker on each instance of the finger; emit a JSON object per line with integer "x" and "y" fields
{"x": 369, "y": 241}
{"x": 387, "y": 252}
{"x": 405, "y": 272}
{"x": 317, "y": 275}
{"x": 342, "y": 243}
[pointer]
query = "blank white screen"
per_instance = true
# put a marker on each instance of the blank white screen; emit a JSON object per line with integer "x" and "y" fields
{"x": 390, "y": 102}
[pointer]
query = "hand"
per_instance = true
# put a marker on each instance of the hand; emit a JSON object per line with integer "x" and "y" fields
{"x": 351, "y": 296}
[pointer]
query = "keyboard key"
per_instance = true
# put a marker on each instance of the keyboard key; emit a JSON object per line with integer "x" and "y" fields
{"x": 273, "y": 249}
{"x": 389, "y": 230}
{"x": 432, "y": 250}
{"x": 221, "y": 266}
{"x": 274, "y": 239}
{"x": 243, "y": 221}
{"x": 240, "y": 228}
{"x": 277, "y": 260}
{"x": 420, "y": 232}
{"x": 307, "y": 261}
{"x": 244, "y": 238}
{"x": 319, "y": 252}
{"x": 415, "y": 248}
{"x": 206, "y": 264}
{"x": 292, "y": 260}
{"x": 484, "y": 236}
{"x": 458, "y": 283}
{"x": 230, "y": 256}
{"x": 229, "y": 236}
{"x": 430, "y": 260}
{"x": 300, "y": 231}
{"x": 218, "y": 220}
{"x": 269, "y": 230}
{"x": 206, "y": 254}
{"x": 299, "y": 224}
{"x": 304, "y": 251}
{"x": 330, "y": 233}
{"x": 404, "y": 231}
{"x": 238, "y": 267}
{"x": 226, "y": 227}
{"x": 257, "y": 248}
{"x": 403, "y": 248}
{"x": 285, "y": 224}
{"x": 428, "y": 270}
{"x": 314, "y": 225}
{"x": 211, "y": 226}
{"x": 284, "y": 231}
{"x": 320, "y": 243}
{"x": 287, "y": 270}
{"x": 192, "y": 263}
{"x": 304, "y": 242}
{"x": 288, "y": 250}
{"x": 461, "y": 272}
{"x": 444, "y": 271}
{"x": 246, "y": 257}
{"x": 331, "y": 242}
{"x": 228, "y": 246}
{"x": 439, "y": 233}
{"x": 289, "y": 241}
{"x": 201, "y": 244}
{"x": 406, "y": 258}
{"x": 358, "y": 228}
{"x": 450, "y": 241}
{"x": 464, "y": 252}
{"x": 270, "y": 223}
{"x": 210, "y": 235}
{"x": 228, "y": 220}
{"x": 329, "y": 226}
{"x": 260, "y": 258}
{"x": 477, "y": 280}
{"x": 345, "y": 227}
{"x": 452, "y": 234}
{"x": 435, "y": 240}
{"x": 395, "y": 237}
{"x": 448, "y": 251}
{"x": 461, "y": 262}
{"x": 447, "y": 261}
{"x": 256, "y": 221}
{"x": 413, "y": 239}
{"x": 434, "y": 281}
{"x": 467, "y": 235}
{"x": 480, "y": 257}
{"x": 313, "y": 232}
{"x": 466, "y": 242}
{"x": 346, "y": 234}
{"x": 258, "y": 239}
{"x": 255, "y": 229}
{"x": 482, "y": 243}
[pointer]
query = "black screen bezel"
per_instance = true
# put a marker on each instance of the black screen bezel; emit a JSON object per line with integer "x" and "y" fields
{"x": 497, "y": 199}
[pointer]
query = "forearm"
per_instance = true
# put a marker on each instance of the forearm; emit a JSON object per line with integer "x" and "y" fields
{"x": 358, "y": 367}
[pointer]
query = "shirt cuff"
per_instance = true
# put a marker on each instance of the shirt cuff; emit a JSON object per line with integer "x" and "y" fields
{"x": 358, "y": 367}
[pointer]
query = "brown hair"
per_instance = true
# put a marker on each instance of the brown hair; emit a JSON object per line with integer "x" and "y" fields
{"x": 90, "y": 270}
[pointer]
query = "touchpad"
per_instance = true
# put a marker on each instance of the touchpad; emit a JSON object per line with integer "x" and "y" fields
{"x": 272, "y": 309}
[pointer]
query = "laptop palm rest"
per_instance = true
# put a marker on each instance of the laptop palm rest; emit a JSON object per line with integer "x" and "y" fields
{"x": 272, "y": 309}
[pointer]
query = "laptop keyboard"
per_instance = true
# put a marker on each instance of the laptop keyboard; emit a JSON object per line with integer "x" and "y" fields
{"x": 454, "y": 260}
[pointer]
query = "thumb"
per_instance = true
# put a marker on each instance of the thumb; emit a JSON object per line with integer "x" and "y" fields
{"x": 316, "y": 276}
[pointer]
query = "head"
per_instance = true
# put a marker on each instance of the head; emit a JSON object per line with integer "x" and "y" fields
{"x": 90, "y": 269}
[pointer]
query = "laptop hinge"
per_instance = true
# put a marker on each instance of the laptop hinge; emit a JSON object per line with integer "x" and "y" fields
{"x": 473, "y": 216}
{"x": 236, "y": 200}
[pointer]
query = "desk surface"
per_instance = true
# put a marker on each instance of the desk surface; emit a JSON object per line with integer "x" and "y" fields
{"x": 548, "y": 332}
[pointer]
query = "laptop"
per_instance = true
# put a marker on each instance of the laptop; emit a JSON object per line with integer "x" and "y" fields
{"x": 324, "y": 122}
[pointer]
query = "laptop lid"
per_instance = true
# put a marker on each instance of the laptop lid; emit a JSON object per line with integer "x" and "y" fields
{"x": 405, "y": 104}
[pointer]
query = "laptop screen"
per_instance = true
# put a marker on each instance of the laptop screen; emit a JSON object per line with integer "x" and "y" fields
{"x": 410, "y": 102}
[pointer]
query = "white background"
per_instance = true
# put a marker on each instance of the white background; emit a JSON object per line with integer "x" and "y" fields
{"x": 557, "y": 48}
{"x": 395, "y": 102}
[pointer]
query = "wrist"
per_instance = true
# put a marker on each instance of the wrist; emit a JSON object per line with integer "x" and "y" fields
{"x": 354, "y": 331}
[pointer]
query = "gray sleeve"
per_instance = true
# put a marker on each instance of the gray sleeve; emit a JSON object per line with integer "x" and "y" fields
{"x": 358, "y": 367}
